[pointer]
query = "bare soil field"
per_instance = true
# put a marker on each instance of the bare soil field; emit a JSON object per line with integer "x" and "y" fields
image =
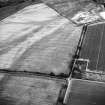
{"x": 31, "y": 41}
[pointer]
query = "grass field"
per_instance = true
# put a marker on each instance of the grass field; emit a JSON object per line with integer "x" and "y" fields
{"x": 19, "y": 90}
{"x": 83, "y": 92}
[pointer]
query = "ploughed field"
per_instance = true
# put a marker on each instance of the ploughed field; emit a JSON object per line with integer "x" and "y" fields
{"x": 93, "y": 47}
{"x": 38, "y": 39}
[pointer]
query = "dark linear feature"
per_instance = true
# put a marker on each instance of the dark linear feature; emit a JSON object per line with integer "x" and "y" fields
{"x": 28, "y": 73}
